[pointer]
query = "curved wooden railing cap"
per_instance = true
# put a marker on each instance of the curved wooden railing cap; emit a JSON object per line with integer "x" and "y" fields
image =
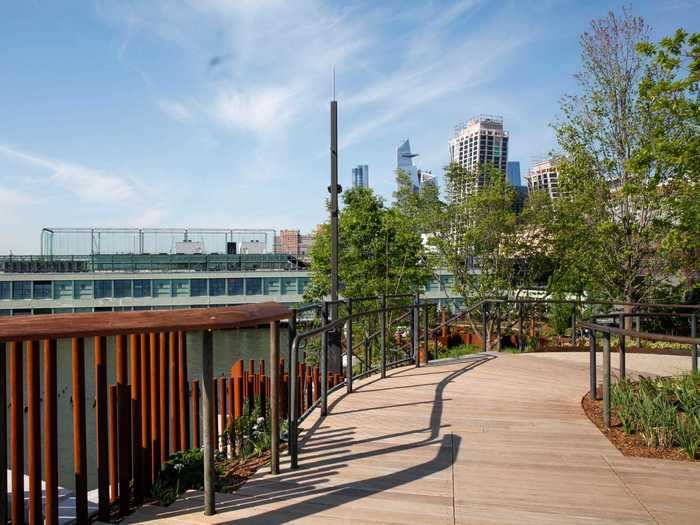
{"x": 35, "y": 327}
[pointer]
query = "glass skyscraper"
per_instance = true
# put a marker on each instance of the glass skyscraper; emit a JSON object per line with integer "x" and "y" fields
{"x": 513, "y": 172}
{"x": 404, "y": 162}
{"x": 360, "y": 176}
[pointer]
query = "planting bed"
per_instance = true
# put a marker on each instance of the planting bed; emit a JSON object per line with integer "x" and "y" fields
{"x": 628, "y": 444}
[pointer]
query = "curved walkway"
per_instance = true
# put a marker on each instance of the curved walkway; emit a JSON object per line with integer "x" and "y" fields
{"x": 490, "y": 440}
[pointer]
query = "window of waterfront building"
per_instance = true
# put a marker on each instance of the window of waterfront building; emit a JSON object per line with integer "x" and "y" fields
{"x": 42, "y": 290}
{"x": 22, "y": 290}
{"x": 181, "y": 287}
{"x": 82, "y": 290}
{"x": 272, "y": 286}
{"x": 103, "y": 289}
{"x": 122, "y": 288}
{"x": 217, "y": 287}
{"x": 253, "y": 286}
{"x": 235, "y": 286}
{"x": 198, "y": 287}
{"x": 303, "y": 283}
{"x": 289, "y": 285}
{"x": 142, "y": 288}
{"x": 62, "y": 289}
{"x": 5, "y": 290}
{"x": 162, "y": 288}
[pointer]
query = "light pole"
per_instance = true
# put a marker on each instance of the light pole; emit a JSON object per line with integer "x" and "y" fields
{"x": 334, "y": 358}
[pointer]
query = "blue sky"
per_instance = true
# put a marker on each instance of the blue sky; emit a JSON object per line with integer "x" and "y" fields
{"x": 114, "y": 114}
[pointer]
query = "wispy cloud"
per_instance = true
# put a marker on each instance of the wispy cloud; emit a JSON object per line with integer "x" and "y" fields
{"x": 174, "y": 109}
{"x": 87, "y": 184}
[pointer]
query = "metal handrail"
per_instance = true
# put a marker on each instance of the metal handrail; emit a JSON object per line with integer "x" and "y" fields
{"x": 323, "y": 331}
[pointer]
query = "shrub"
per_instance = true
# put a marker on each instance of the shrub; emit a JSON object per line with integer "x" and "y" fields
{"x": 665, "y": 412}
{"x": 183, "y": 471}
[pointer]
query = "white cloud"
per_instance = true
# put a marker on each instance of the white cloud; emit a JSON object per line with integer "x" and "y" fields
{"x": 87, "y": 184}
{"x": 265, "y": 110}
{"x": 174, "y": 109}
{"x": 12, "y": 204}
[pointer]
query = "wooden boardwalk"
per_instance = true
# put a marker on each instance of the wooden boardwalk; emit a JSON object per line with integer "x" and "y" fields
{"x": 496, "y": 440}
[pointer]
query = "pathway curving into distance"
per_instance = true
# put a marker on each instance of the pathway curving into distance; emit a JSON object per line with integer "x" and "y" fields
{"x": 486, "y": 440}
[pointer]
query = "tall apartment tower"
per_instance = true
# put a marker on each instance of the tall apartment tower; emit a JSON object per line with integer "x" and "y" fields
{"x": 481, "y": 140}
{"x": 544, "y": 176}
{"x": 360, "y": 176}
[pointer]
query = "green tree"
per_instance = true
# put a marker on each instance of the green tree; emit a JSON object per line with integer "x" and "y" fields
{"x": 674, "y": 145}
{"x": 380, "y": 251}
{"x": 478, "y": 230}
{"x": 610, "y": 219}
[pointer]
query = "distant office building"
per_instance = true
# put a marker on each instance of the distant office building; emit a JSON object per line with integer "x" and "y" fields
{"x": 360, "y": 176}
{"x": 404, "y": 162}
{"x": 544, "y": 176}
{"x": 289, "y": 242}
{"x": 513, "y": 172}
{"x": 481, "y": 140}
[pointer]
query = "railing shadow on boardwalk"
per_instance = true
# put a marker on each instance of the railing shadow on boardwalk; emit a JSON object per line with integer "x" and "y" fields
{"x": 333, "y": 453}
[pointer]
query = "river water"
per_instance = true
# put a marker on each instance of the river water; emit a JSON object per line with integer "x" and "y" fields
{"x": 229, "y": 346}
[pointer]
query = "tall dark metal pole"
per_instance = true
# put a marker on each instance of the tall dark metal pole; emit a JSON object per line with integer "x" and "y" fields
{"x": 334, "y": 359}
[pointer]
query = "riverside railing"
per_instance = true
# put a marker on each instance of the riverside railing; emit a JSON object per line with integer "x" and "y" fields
{"x": 138, "y": 421}
{"x": 607, "y": 331}
{"x": 411, "y": 311}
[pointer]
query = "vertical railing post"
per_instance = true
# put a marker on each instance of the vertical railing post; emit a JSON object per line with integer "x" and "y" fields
{"x": 348, "y": 350}
{"x": 382, "y": 334}
{"x": 124, "y": 431}
{"x": 182, "y": 390}
{"x": 101, "y": 427}
{"x": 606, "y": 379}
{"x": 163, "y": 439}
{"x": 155, "y": 403}
{"x": 291, "y": 398}
{"x": 593, "y": 384}
{"x": 498, "y": 326}
{"x": 3, "y": 436}
{"x": 34, "y": 431}
{"x": 208, "y": 394}
{"x": 416, "y": 330}
{"x": 174, "y": 376}
{"x": 573, "y": 325}
{"x": 367, "y": 364}
{"x": 135, "y": 404}
{"x": 693, "y": 334}
{"x": 426, "y": 327}
{"x": 79, "y": 448}
{"x": 16, "y": 431}
{"x": 293, "y": 405}
{"x": 484, "y": 327}
{"x": 274, "y": 397}
{"x": 521, "y": 327}
{"x": 324, "y": 361}
{"x": 50, "y": 431}
{"x": 413, "y": 314}
{"x": 623, "y": 360}
{"x": 145, "y": 413}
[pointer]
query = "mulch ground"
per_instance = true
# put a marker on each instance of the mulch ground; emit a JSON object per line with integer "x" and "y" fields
{"x": 234, "y": 472}
{"x": 629, "y": 445}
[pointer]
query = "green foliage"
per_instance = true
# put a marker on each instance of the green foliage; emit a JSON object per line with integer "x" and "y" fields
{"x": 182, "y": 471}
{"x": 560, "y": 315}
{"x": 459, "y": 351}
{"x": 380, "y": 250}
{"x": 250, "y": 435}
{"x": 663, "y": 412}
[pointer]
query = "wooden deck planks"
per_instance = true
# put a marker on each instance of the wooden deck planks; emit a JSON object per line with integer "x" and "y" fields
{"x": 502, "y": 442}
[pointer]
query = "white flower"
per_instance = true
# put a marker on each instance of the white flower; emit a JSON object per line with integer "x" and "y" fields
{"x": 260, "y": 420}
{"x": 255, "y": 427}
{"x": 179, "y": 466}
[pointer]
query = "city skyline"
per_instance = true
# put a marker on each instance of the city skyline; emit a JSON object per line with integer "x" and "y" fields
{"x": 133, "y": 115}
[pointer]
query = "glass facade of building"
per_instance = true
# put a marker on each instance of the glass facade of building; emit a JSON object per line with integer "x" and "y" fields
{"x": 360, "y": 176}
